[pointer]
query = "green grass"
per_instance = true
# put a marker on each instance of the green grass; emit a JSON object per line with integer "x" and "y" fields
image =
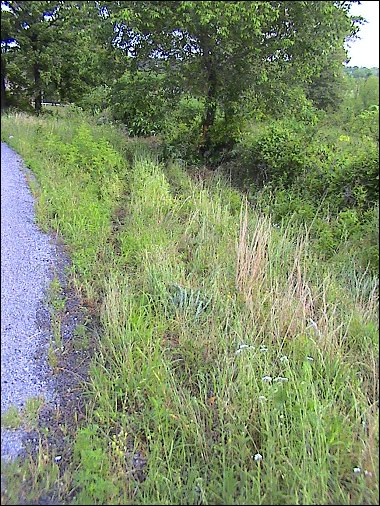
{"x": 26, "y": 418}
{"x": 31, "y": 411}
{"x": 11, "y": 419}
{"x": 201, "y": 300}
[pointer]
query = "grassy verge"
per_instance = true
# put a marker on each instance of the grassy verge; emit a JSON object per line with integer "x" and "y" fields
{"x": 232, "y": 366}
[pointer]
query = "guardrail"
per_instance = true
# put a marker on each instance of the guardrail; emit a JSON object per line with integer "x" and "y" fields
{"x": 55, "y": 104}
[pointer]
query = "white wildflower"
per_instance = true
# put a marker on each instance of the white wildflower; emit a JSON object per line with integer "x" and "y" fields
{"x": 11, "y": 136}
{"x": 262, "y": 398}
{"x": 258, "y": 457}
{"x": 284, "y": 359}
{"x": 242, "y": 347}
{"x": 267, "y": 379}
{"x": 58, "y": 458}
{"x": 314, "y": 326}
{"x": 310, "y": 359}
{"x": 357, "y": 470}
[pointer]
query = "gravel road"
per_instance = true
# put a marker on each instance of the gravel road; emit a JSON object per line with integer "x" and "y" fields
{"x": 27, "y": 258}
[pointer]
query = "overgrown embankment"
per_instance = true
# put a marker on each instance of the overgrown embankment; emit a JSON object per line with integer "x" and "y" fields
{"x": 231, "y": 365}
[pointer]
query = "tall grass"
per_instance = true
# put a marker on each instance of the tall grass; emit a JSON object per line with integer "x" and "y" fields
{"x": 231, "y": 366}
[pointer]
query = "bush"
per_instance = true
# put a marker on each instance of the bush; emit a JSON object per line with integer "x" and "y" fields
{"x": 275, "y": 152}
{"x": 140, "y": 100}
{"x": 98, "y": 100}
{"x": 183, "y": 128}
{"x": 315, "y": 162}
{"x": 344, "y": 171}
{"x": 363, "y": 246}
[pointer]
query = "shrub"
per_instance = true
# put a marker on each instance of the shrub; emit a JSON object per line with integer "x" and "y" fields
{"x": 140, "y": 100}
{"x": 97, "y": 100}
{"x": 275, "y": 152}
{"x": 182, "y": 129}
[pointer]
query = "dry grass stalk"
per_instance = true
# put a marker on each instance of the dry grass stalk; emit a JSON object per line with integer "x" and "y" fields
{"x": 252, "y": 256}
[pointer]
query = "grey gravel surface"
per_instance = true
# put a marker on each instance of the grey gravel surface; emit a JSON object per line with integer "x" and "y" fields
{"x": 27, "y": 256}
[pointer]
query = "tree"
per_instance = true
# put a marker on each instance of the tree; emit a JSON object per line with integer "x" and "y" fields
{"x": 88, "y": 61}
{"x": 223, "y": 48}
{"x": 6, "y": 49}
{"x": 327, "y": 89}
{"x": 57, "y": 46}
{"x": 34, "y": 28}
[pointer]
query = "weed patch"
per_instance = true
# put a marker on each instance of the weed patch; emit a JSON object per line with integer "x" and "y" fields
{"x": 231, "y": 364}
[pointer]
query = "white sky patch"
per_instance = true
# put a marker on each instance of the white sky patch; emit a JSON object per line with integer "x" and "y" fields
{"x": 364, "y": 52}
{"x": 10, "y": 44}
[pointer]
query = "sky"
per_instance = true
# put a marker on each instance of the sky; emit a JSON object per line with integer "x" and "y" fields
{"x": 364, "y": 52}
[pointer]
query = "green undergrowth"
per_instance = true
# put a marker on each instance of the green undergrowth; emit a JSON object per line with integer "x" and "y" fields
{"x": 232, "y": 366}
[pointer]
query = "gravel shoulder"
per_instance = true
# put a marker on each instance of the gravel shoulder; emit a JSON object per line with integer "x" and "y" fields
{"x": 27, "y": 262}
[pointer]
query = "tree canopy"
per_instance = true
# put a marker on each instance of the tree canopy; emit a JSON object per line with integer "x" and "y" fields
{"x": 218, "y": 52}
{"x": 223, "y": 48}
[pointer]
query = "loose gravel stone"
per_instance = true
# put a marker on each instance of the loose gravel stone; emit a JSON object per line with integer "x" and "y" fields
{"x": 27, "y": 257}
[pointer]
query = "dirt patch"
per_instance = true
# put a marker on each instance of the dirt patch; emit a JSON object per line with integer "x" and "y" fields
{"x": 71, "y": 371}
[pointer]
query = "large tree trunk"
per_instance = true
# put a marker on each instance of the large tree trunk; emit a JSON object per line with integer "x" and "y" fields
{"x": 3, "y": 95}
{"x": 209, "y": 117}
{"x": 38, "y": 92}
{"x": 210, "y": 108}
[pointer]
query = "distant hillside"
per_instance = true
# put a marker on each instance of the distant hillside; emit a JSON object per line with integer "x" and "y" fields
{"x": 362, "y": 71}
